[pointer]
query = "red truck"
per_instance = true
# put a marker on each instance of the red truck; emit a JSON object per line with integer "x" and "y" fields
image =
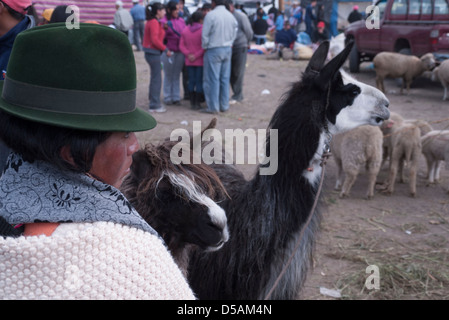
{"x": 406, "y": 26}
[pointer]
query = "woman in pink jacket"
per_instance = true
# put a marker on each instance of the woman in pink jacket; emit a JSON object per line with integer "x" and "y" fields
{"x": 173, "y": 25}
{"x": 190, "y": 46}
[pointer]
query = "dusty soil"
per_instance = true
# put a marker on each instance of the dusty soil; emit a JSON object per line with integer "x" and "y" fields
{"x": 406, "y": 238}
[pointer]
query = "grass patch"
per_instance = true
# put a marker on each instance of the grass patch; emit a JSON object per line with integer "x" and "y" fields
{"x": 409, "y": 276}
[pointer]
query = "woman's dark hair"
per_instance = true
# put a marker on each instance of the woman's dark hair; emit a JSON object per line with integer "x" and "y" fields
{"x": 219, "y": 2}
{"x": 197, "y": 16}
{"x": 38, "y": 141}
{"x": 152, "y": 9}
{"x": 171, "y": 6}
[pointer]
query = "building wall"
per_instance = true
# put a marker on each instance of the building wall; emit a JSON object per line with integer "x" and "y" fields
{"x": 101, "y": 11}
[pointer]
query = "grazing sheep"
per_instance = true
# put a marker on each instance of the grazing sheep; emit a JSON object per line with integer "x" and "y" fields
{"x": 387, "y": 128}
{"x": 435, "y": 147}
{"x": 397, "y": 65}
{"x": 423, "y": 126}
{"x": 406, "y": 146}
{"x": 441, "y": 73}
{"x": 353, "y": 149}
{"x": 395, "y": 121}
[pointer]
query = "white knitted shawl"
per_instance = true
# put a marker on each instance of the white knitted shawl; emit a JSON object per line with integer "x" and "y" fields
{"x": 100, "y": 260}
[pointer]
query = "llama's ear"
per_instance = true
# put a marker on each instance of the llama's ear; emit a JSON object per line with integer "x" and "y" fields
{"x": 330, "y": 69}
{"x": 212, "y": 124}
{"x": 318, "y": 58}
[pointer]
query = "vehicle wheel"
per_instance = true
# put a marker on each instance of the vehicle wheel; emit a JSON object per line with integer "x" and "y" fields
{"x": 354, "y": 60}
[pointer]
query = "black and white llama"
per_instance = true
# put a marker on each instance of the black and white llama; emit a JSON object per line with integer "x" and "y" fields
{"x": 266, "y": 214}
{"x": 178, "y": 201}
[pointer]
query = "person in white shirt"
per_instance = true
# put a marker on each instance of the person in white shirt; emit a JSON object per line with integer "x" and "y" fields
{"x": 218, "y": 35}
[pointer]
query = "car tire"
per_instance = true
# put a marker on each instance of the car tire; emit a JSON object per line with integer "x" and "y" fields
{"x": 354, "y": 60}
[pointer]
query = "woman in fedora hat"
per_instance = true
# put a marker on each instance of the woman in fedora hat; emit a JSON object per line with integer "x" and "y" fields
{"x": 70, "y": 121}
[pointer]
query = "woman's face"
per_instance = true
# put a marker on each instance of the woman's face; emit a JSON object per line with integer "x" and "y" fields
{"x": 175, "y": 12}
{"x": 113, "y": 157}
{"x": 160, "y": 14}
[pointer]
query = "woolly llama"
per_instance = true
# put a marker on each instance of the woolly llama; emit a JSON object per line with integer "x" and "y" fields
{"x": 178, "y": 201}
{"x": 266, "y": 214}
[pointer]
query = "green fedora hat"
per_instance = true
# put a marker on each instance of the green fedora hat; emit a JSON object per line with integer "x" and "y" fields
{"x": 76, "y": 78}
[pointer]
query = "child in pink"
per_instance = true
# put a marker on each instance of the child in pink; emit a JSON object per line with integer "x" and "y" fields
{"x": 190, "y": 46}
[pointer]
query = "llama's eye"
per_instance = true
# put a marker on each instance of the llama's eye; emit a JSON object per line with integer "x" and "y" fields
{"x": 356, "y": 91}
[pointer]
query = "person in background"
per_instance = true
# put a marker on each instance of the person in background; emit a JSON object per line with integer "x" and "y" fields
{"x": 285, "y": 37}
{"x": 123, "y": 20}
{"x": 138, "y": 14}
{"x": 240, "y": 7}
{"x": 355, "y": 15}
{"x": 185, "y": 14}
{"x": 13, "y": 20}
{"x": 173, "y": 25}
{"x": 153, "y": 46}
{"x": 295, "y": 18}
{"x": 46, "y": 15}
{"x": 60, "y": 14}
{"x": 219, "y": 33}
{"x": 206, "y": 8}
{"x": 259, "y": 9}
{"x": 275, "y": 11}
{"x": 279, "y": 22}
{"x": 73, "y": 137}
{"x": 310, "y": 18}
{"x": 239, "y": 52}
{"x": 190, "y": 46}
{"x": 320, "y": 34}
{"x": 183, "y": 11}
{"x": 260, "y": 28}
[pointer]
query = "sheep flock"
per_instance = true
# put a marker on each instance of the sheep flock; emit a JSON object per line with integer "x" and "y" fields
{"x": 396, "y": 146}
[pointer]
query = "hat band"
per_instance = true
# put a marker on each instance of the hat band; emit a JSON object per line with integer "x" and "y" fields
{"x": 68, "y": 101}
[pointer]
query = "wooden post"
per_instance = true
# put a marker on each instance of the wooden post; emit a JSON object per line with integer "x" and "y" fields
{"x": 281, "y": 5}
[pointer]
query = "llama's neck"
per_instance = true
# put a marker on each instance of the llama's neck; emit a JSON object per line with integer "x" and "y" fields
{"x": 313, "y": 171}
{"x": 292, "y": 189}
{"x": 301, "y": 144}
{"x": 290, "y": 195}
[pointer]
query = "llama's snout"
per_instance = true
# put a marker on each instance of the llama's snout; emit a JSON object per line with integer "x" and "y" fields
{"x": 380, "y": 112}
{"x": 218, "y": 218}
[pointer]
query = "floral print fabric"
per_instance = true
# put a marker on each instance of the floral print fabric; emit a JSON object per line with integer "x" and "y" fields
{"x": 39, "y": 192}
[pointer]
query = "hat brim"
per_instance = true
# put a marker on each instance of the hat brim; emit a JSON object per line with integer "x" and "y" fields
{"x": 137, "y": 120}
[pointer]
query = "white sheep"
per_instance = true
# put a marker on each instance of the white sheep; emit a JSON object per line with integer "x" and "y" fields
{"x": 435, "y": 147}
{"x": 441, "y": 73}
{"x": 387, "y": 127}
{"x": 394, "y": 122}
{"x": 397, "y": 65}
{"x": 423, "y": 126}
{"x": 406, "y": 146}
{"x": 354, "y": 149}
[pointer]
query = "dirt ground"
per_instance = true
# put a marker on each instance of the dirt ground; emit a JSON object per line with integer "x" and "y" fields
{"x": 406, "y": 238}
